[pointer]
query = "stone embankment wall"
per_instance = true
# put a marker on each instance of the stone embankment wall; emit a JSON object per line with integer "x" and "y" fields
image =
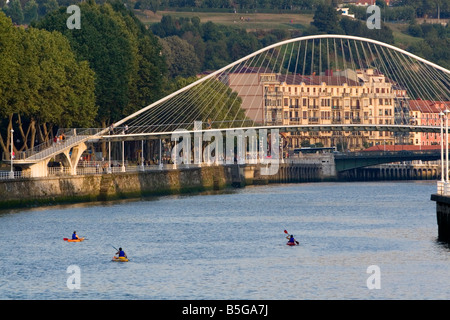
{"x": 102, "y": 187}
{"x": 393, "y": 172}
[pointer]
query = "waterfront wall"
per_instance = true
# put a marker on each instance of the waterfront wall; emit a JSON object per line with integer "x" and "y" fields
{"x": 102, "y": 187}
{"x": 393, "y": 172}
{"x": 442, "y": 216}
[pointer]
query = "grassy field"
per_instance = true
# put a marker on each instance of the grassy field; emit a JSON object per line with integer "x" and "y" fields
{"x": 248, "y": 21}
{"x": 264, "y": 21}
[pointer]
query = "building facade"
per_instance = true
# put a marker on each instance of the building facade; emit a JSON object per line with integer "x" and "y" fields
{"x": 339, "y": 97}
{"x": 426, "y": 113}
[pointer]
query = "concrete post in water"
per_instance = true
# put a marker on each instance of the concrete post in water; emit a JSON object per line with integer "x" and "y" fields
{"x": 442, "y": 216}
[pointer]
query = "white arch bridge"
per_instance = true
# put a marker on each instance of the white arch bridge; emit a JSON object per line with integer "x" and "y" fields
{"x": 328, "y": 89}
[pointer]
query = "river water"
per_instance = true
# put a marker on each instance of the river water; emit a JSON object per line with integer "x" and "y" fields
{"x": 231, "y": 245}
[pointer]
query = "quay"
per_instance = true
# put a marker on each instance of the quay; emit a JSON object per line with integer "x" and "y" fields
{"x": 442, "y": 199}
{"x": 154, "y": 181}
{"x": 95, "y": 184}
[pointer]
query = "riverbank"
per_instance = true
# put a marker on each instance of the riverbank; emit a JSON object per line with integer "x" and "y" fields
{"x": 32, "y": 192}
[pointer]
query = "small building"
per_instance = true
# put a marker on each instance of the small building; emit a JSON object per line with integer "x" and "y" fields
{"x": 345, "y": 12}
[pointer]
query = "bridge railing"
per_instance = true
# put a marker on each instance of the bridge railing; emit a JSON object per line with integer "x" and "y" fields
{"x": 71, "y": 136}
{"x": 376, "y": 154}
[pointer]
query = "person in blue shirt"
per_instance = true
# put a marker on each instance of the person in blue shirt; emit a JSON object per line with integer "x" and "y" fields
{"x": 74, "y": 236}
{"x": 121, "y": 253}
{"x": 291, "y": 239}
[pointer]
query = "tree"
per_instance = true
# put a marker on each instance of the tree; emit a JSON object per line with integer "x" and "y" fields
{"x": 9, "y": 76}
{"x": 240, "y": 43}
{"x": 326, "y": 19}
{"x": 14, "y": 11}
{"x": 30, "y": 11}
{"x": 180, "y": 57}
{"x": 42, "y": 85}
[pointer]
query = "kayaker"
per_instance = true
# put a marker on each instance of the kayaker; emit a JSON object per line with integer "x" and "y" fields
{"x": 74, "y": 236}
{"x": 121, "y": 253}
{"x": 291, "y": 239}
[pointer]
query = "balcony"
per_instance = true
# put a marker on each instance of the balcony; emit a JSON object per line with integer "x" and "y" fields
{"x": 313, "y": 120}
{"x": 295, "y": 121}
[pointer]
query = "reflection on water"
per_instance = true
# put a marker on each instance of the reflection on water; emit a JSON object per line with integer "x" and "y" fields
{"x": 231, "y": 245}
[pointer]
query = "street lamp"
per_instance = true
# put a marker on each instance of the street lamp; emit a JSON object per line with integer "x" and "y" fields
{"x": 123, "y": 148}
{"x": 441, "y": 116}
{"x": 11, "y": 174}
{"x": 446, "y": 111}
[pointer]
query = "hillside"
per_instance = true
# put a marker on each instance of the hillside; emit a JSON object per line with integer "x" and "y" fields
{"x": 248, "y": 21}
{"x": 264, "y": 21}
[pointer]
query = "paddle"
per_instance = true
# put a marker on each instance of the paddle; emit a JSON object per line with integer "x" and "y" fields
{"x": 285, "y": 231}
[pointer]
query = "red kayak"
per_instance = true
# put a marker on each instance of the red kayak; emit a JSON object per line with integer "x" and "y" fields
{"x": 291, "y": 244}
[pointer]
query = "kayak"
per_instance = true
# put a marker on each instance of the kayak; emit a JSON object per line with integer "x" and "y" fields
{"x": 291, "y": 244}
{"x": 73, "y": 240}
{"x": 120, "y": 259}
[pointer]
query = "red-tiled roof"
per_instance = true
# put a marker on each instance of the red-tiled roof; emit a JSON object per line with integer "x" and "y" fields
{"x": 428, "y": 106}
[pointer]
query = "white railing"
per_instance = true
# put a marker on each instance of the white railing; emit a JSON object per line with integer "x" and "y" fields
{"x": 5, "y": 175}
{"x": 58, "y": 171}
{"x": 443, "y": 188}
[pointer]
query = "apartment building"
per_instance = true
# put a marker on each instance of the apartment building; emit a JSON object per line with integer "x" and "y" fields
{"x": 426, "y": 113}
{"x": 339, "y": 97}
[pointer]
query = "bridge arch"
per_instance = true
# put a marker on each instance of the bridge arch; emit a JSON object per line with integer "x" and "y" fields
{"x": 265, "y": 49}
{"x": 146, "y": 121}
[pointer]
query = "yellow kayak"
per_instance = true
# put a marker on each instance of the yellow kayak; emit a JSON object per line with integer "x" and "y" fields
{"x": 120, "y": 259}
{"x": 73, "y": 240}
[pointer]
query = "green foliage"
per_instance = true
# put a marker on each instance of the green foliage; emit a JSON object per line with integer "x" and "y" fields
{"x": 14, "y": 11}
{"x": 180, "y": 57}
{"x": 41, "y": 83}
{"x": 326, "y": 19}
{"x": 30, "y": 11}
{"x": 219, "y": 108}
{"x": 123, "y": 54}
